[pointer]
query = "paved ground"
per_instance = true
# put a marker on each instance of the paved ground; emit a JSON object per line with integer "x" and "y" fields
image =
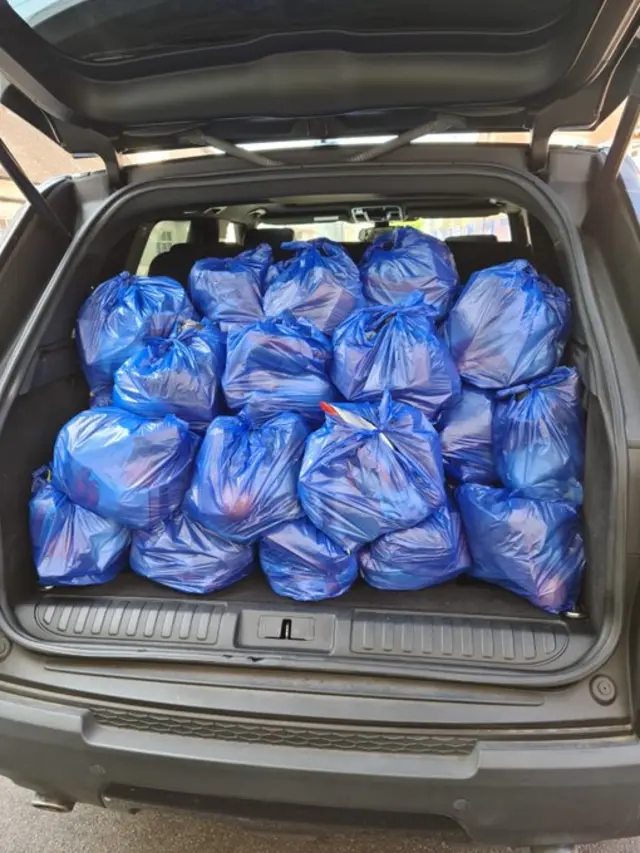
{"x": 90, "y": 830}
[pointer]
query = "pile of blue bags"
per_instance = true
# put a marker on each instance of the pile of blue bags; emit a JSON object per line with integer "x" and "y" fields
{"x": 515, "y": 441}
{"x": 325, "y": 422}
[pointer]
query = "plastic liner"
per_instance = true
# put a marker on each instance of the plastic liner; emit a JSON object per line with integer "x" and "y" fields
{"x": 466, "y": 438}
{"x": 246, "y": 476}
{"x": 177, "y": 374}
{"x": 321, "y": 283}
{"x": 229, "y": 290}
{"x": 509, "y": 325}
{"x": 72, "y": 546}
{"x": 405, "y": 260}
{"x": 395, "y": 348}
{"x": 183, "y": 555}
{"x": 531, "y": 547}
{"x": 124, "y": 467}
{"x": 301, "y": 562}
{"x": 279, "y": 365}
{"x": 538, "y": 436}
{"x": 118, "y": 315}
{"x": 371, "y": 469}
{"x": 432, "y": 552}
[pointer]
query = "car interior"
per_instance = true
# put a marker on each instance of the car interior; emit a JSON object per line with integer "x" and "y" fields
{"x": 462, "y": 616}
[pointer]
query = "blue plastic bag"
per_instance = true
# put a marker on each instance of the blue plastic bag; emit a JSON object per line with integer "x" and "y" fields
{"x": 274, "y": 271}
{"x": 403, "y": 261}
{"x": 229, "y": 290}
{"x": 509, "y": 325}
{"x": 530, "y": 547}
{"x": 246, "y": 476}
{"x": 177, "y": 374}
{"x": 466, "y": 438}
{"x": 100, "y": 399}
{"x": 180, "y": 554}
{"x": 124, "y": 467}
{"x": 395, "y": 348}
{"x": 300, "y": 562}
{"x": 371, "y": 469}
{"x": 118, "y": 315}
{"x": 538, "y": 437}
{"x": 432, "y": 552}
{"x": 279, "y": 365}
{"x": 72, "y": 546}
{"x": 321, "y": 283}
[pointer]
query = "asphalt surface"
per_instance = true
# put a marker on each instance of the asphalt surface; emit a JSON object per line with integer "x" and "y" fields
{"x": 23, "y": 829}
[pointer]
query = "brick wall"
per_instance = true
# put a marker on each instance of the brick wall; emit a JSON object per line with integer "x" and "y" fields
{"x": 40, "y": 158}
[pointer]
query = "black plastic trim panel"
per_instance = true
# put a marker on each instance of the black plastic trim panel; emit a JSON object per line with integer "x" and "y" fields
{"x": 501, "y": 794}
{"x": 309, "y": 737}
{"x": 235, "y": 629}
{"x": 129, "y": 620}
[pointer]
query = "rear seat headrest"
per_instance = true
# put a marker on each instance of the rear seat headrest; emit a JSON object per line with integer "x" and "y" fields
{"x": 176, "y": 263}
{"x": 473, "y": 255}
{"x": 273, "y": 236}
{"x": 473, "y": 238}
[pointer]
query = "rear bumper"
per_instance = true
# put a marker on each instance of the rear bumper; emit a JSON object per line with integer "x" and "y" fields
{"x": 502, "y": 793}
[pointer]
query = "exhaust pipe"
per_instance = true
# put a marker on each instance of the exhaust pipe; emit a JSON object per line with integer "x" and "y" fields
{"x": 51, "y": 803}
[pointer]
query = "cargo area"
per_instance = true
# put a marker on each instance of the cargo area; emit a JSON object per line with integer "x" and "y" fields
{"x": 460, "y": 628}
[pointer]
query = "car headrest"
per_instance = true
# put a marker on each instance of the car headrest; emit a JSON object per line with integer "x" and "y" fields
{"x": 473, "y": 238}
{"x": 176, "y": 262}
{"x": 355, "y": 250}
{"x": 273, "y": 236}
{"x": 473, "y": 255}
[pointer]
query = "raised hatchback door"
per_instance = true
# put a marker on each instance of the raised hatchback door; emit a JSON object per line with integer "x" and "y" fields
{"x": 143, "y": 73}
